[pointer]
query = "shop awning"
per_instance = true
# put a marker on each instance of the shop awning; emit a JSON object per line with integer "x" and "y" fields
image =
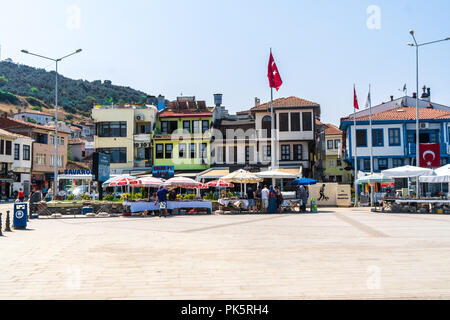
{"x": 295, "y": 171}
{"x": 187, "y": 174}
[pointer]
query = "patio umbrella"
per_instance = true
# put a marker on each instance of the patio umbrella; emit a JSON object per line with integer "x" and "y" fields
{"x": 182, "y": 182}
{"x": 275, "y": 174}
{"x": 375, "y": 178}
{"x": 441, "y": 175}
{"x": 407, "y": 172}
{"x": 110, "y": 180}
{"x": 241, "y": 176}
{"x": 220, "y": 184}
{"x": 150, "y": 182}
{"x": 124, "y": 182}
{"x": 303, "y": 182}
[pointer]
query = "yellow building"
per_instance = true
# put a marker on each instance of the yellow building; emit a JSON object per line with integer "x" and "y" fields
{"x": 334, "y": 164}
{"x": 124, "y": 132}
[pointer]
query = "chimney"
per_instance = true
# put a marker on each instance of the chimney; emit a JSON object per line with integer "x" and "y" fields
{"x": 257, "y": 101}
{"x": 392, "y": 98}
{"x": 218, "y": 99}
{"x": 414, "y": 95}
{"x": 426, "y": 94}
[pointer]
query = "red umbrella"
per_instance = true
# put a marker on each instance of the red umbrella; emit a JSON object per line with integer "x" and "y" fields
{"x": 124, "y": 182}
{"x": 150, "y": 182}
{"x": 220, "y": 183}
{"x": 200, "y": 186}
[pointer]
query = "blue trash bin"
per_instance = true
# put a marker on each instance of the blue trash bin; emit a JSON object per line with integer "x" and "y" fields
{"x": 20, "y": 215}
{"x": 86, "y": 210}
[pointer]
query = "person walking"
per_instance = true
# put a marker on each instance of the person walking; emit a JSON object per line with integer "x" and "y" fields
{"x": 272, "y": 200}
{"x": 161, "y": 199}
{"x": 265, "y": 199}
{"x": 251, "y": 200}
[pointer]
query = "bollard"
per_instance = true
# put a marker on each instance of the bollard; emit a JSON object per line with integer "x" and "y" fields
{"x": 1, "y": 234}
{"x": 7, "y": 223}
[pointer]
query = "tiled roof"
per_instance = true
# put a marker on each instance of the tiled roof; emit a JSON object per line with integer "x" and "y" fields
{"x": 29, "y": 124}
{"x": 36, "y": 112}
{"x": 12, "y": 134}
{"x": 405, "y": 113}
{"x": 332, "y": 130}
{"x": 286, "y": 102}
{"x": 77, "y": 141}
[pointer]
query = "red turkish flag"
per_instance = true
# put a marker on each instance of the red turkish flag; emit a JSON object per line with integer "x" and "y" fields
{"x": 430, "y": 155}
{"x": 273, "y": 74}
{"x": 355, "y": 99}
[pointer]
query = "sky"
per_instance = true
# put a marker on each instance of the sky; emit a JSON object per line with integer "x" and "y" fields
{"x": 202, "y": 47}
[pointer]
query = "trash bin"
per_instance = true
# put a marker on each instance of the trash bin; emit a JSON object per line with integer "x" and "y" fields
{"x": 20, "y": 215}
{"x": 86, "y": 210}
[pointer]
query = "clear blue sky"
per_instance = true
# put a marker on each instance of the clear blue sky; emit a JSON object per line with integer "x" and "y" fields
{"x": 205, "y": 47}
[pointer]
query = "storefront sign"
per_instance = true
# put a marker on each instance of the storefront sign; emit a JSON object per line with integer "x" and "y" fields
{"x": 163, "y": 171}
{"x": 77, "y": 172}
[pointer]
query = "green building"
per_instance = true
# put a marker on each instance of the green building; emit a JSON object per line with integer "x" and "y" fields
{"x": 181, "y": 139}
{"x": 334, "y": 163}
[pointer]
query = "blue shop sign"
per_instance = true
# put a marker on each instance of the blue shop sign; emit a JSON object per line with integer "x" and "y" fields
{"x": 77, "y": 172}
{"x": 163, "y": 171}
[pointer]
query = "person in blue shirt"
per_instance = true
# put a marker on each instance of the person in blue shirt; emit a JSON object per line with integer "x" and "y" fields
{"x": 161, "y": 198}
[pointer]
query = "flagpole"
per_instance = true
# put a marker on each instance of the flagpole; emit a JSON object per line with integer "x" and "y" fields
{"x": 369, "y": 100}
{"x": 273, "y": 147}
{"x": 356, "y": 154}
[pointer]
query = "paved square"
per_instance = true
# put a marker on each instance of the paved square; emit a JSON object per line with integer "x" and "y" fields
{"x": 337, "y": 254}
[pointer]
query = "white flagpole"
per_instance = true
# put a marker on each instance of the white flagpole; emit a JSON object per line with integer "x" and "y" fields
{"x": 273, "y": 141}
{"x": 356, "y": 155}
{"x": 369, "y": 101}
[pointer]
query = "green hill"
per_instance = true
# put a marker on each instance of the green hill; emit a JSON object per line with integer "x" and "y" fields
{"x": 75, "y": 96}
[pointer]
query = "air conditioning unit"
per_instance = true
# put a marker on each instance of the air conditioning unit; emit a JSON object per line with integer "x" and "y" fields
{"x": 424, "y": 125}
{"x": 140, "y": 117}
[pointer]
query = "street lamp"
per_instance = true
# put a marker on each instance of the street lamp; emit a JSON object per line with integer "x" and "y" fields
{"x": 55, "y": 159}
{"x": 417, "y": 45}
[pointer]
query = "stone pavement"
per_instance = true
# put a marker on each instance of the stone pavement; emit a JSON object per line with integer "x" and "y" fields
{"x": 336, "y": 254}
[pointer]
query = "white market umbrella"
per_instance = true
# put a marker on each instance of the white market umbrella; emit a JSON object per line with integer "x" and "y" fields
{"x": 182, "y": 182}
{"x": 275, "y": 174}
{"x": 375, "y": 178}
{"x": 441, "y": 175}
{"x": 241, "y": 176}
{"x": 407, "y": 172}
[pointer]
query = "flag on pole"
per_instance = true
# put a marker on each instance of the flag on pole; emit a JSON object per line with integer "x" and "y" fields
{"x": 404, "y": 88}
{"x": 355, "y": 99}
{"x": 369, "y": 100}
{"x": 273, "y": 74}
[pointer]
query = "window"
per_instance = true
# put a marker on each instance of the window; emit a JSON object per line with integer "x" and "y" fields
{"x": 331, "y": 163}
{"x": 247, "y": 154}
{"x": 40, "y": 159}
{"x": 61, "y": 141}
{"x": 204, "y": 151}
{"x": 267, "y": 153}
{"x": 112, "y": 129}
{"x": 285, "y": 152}
{"x": 182, "y": 150}
{"x": 307, "y": 121}
{"x": 224, "y": 154}
{"x": 397, "y": 163}
{"x": 164, "y": 127}
{"x": 330, "y": 144}
{"x": 339, "y": 163}
{"x": 295, "y": 121}
{"x": 284, "y": 122}
{"x": 8, "y": 150}
{"x": 205, "y": 126}
{"x": 382, "y": 164}
{"x": 366, "y": 164}
{"x": 235, "y": 154}
{"x": 26, "y": 153}
{"x": 394, "y": 136}
{"x": 52, "y": 139}
{"x": 195, "y": 126}
{"x": 337, "y": 143}
{"x": 168, "y": 127}
{"x": 60, "y": 161}
{"x": 193, "y": 151}
{"x": 266, "y": 125}
{"x": 16, "y": 151}
{"x": 169, "y": 149}
{"x": 361, "y": 138}
{"x": 159, "y": 151}
{"x": 187, "y": 126}
{"x": 40, "y": 138}
{"x": 298, "y": 152}
{"x": 2, "y": 146}
{"x": 116, "y": 155}
{"x": 377, "y": 138}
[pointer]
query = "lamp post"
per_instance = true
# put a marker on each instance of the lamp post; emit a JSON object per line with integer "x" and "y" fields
{"x": 55, "y": 159}
{"x": 417, "y": 45}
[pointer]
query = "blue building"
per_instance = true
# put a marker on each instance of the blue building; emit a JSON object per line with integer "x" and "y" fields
{"x": 393, "y": 133}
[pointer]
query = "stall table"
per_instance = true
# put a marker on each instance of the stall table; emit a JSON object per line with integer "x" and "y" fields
{"x": 430, "y": 202}
{"x": 141, "y": 206}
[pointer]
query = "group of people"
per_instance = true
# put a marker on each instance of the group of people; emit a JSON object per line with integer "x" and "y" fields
{"x": 270, "y": 199}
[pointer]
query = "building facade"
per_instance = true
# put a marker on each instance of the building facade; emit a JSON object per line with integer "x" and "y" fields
{"x": 181, "y": 139}
{"x": 336, "y": 169}
{"x": 37, "y": 117}
{"x": 124, "y": 132}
